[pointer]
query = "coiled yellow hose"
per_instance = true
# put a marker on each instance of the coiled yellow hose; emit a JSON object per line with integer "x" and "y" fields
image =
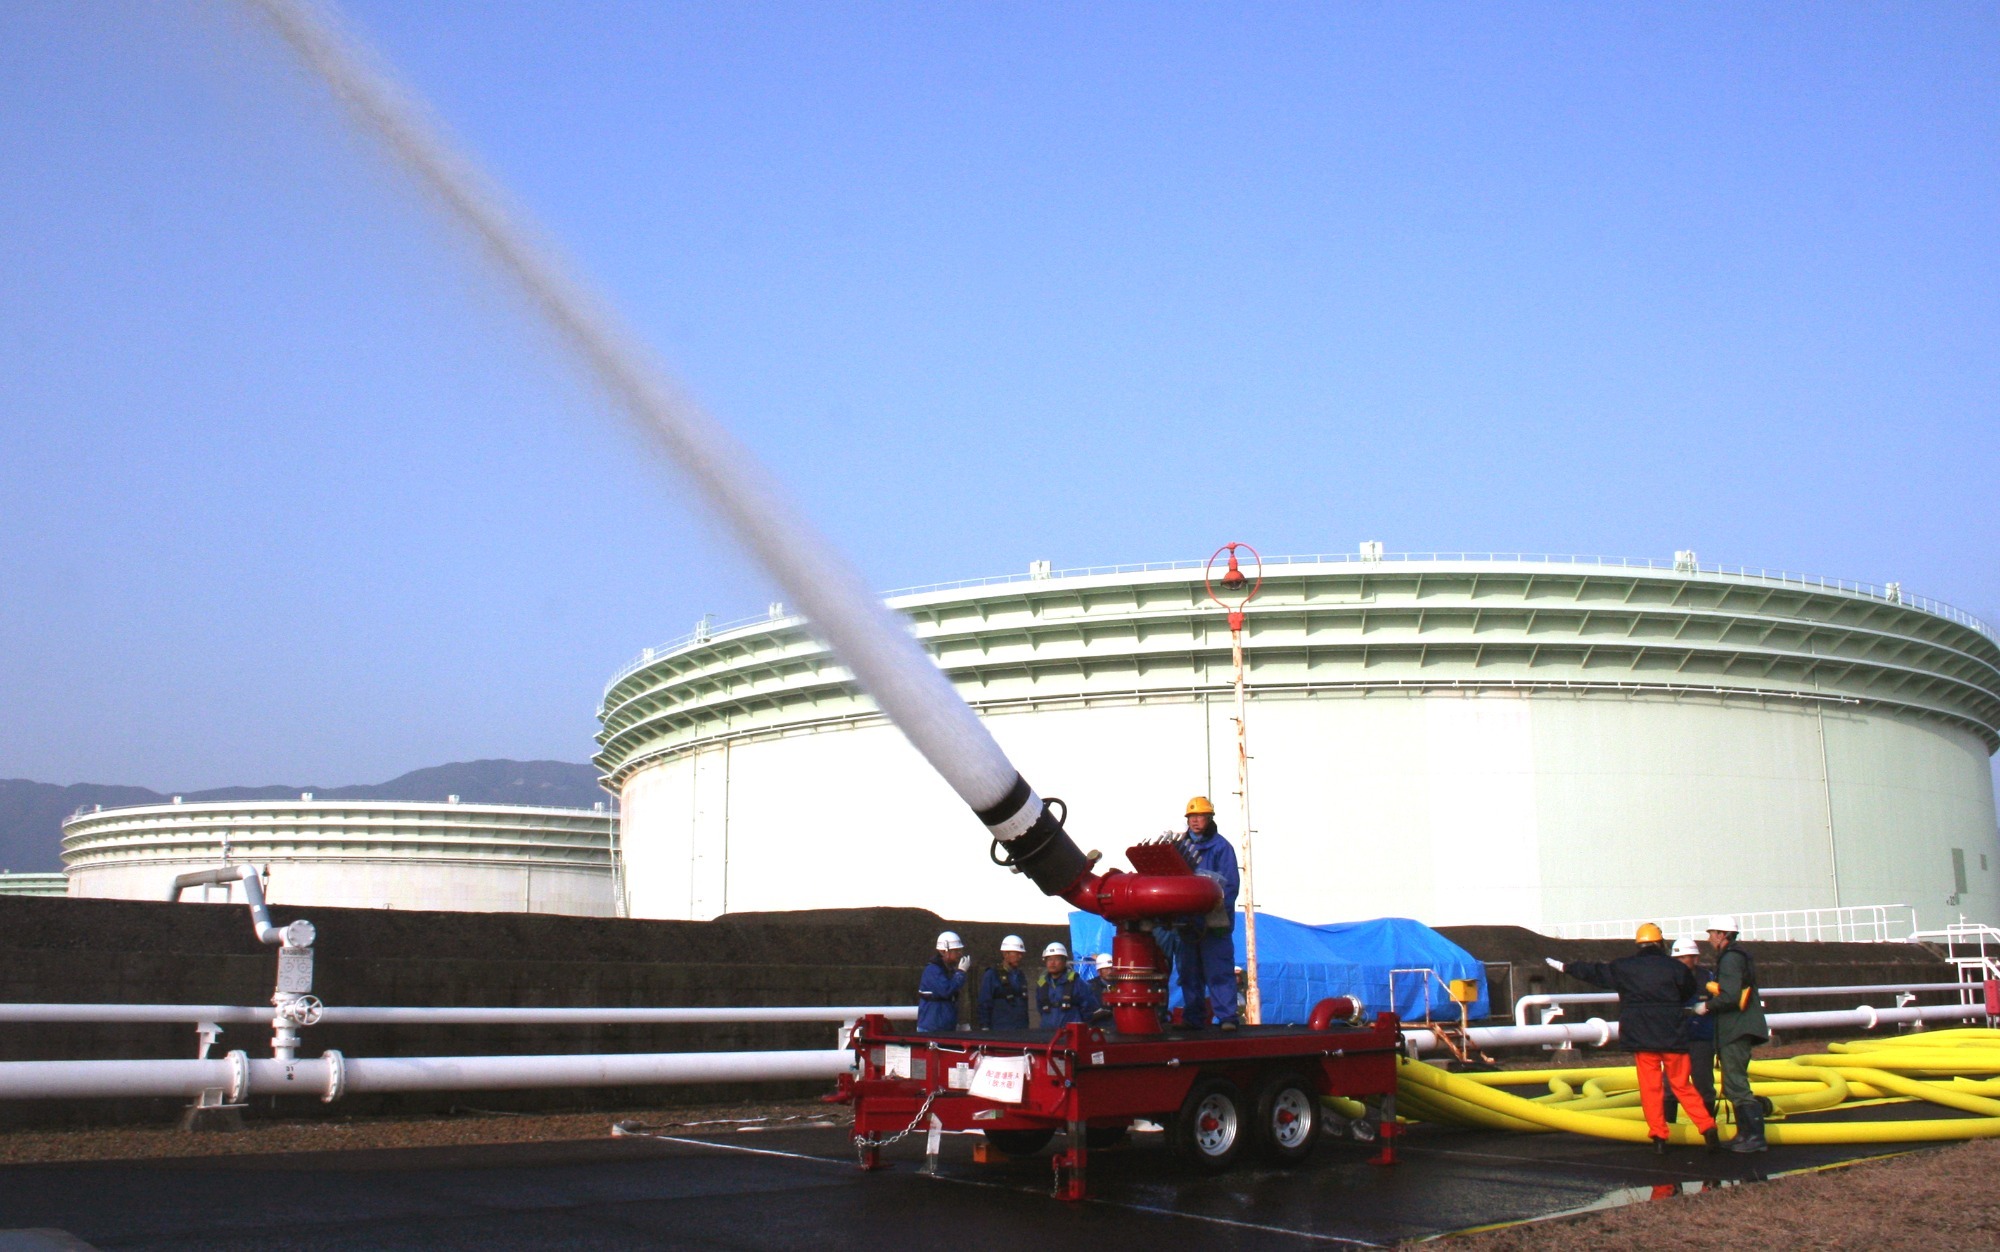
{"x": 1604, "y": 1101}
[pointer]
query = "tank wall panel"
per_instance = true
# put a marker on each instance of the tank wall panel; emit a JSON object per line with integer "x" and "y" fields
{"x": 1904, "y": 796}
{"x": 1657, "y": 806}
{"x": 1452, "y": 808}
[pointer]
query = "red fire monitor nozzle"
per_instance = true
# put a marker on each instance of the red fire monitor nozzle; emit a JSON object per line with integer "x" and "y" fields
{"x": 1165, "y": 888}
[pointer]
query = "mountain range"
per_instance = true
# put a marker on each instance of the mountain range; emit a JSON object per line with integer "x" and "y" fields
{"x": 32, "y": 813}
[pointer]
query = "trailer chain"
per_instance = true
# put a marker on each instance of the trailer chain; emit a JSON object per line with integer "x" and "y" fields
{"x": 864, "y": 1142}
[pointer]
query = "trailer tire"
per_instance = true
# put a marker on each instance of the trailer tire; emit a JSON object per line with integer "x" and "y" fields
{"x": 1020, "y": 1142}
{"x": 1211, "y": 1126}
{"x": 1287, "y": 1118}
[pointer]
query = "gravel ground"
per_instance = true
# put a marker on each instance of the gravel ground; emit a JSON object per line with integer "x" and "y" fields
{"x": 123, "y": 1143}
{"x": 1937, "y": 1199}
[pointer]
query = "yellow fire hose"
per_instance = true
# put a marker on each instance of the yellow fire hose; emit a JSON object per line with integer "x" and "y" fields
{"x": 1932, "y": 1067}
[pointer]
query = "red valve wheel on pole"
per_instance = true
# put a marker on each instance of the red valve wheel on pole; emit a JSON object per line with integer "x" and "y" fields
{"x": 1233, "y": 580}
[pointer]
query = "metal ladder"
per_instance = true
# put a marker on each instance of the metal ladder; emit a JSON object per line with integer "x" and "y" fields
{"x": 1973, "y": 948}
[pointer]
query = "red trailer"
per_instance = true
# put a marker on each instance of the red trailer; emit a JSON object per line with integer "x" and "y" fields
{"x": 1219, "y": 1095}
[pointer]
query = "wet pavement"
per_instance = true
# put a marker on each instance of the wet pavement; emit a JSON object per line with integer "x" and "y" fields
{"x": 799, "y": 1189}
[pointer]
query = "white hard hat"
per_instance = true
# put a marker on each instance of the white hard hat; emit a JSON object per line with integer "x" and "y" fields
{"x": 1055, "y": 949}
{"x": 1686, "y": 947}
{"x": 1012, "y": 943}
{"x": 1723, "y": 922}
{"x": 1104, "y": 960}
{"x": 949, "y": 939}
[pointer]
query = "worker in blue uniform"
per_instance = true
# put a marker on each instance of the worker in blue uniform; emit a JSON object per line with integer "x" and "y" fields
{"x": 1062, "y": 995}
{"x": 1003, "y": 991}
{"x": 1099, "y": 978}
{"x": 937, "y": 990}
{"x": 1205, "y": 956}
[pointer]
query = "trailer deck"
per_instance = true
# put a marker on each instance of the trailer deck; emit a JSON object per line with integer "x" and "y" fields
{"x": 1219, "y": 1094}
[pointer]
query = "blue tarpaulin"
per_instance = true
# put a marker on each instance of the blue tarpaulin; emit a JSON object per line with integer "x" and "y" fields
{"x": 1300, "y": 965}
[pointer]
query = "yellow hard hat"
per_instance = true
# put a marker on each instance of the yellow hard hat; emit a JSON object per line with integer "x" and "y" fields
{"x": 1200, "y": 804}
{"x": 1649, "y": 933}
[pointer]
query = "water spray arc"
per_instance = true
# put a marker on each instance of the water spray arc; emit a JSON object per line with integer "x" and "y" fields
{"x": 876, "y": 647}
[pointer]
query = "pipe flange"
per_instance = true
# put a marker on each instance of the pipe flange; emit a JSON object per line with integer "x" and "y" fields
{"x": 239, "y": 1076}
{"x": 336, "y": 1076}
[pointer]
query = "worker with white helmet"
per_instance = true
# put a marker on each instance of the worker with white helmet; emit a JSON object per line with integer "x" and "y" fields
{"x": 1062, "y": 995}
{"x": 1739, "y": 1028}
{"x": 1003, "y": 990}
{"x": 1701, "y": 1032}
{"x": 1205, "y": 951}
{"x": 1098, "y": 974}
{"x": 938, "y": 988}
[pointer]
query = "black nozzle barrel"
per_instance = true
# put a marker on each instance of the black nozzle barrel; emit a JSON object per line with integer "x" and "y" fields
{"x": 1035, "y": 841}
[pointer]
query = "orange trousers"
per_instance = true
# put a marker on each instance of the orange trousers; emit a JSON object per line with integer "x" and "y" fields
{"x": 1672, "y": 1067}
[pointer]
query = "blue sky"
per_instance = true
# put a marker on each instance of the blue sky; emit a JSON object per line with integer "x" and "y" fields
{"x": 291, "y": 491}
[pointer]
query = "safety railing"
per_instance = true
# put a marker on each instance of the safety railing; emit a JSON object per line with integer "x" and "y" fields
{"x": 1848, "y": 923}
{"x": 1973, "y": 949}
{"x": 1890, "y": 593}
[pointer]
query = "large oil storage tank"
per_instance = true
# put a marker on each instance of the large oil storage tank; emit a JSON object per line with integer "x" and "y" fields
{"x": 1461, "y": 739}
{"x": 356, "y": 853}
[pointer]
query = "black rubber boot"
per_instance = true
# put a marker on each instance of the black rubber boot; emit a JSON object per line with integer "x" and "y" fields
{"x": 1749, "y": 1127}
{"x": 1659, "y": 1147}
{"x": 1713, "y": 1138}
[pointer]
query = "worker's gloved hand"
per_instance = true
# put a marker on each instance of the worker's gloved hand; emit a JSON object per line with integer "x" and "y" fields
{"x": 1554, "y": 964}
{"x": 964, "y": 963}
{"x": 1701, "y": 1009}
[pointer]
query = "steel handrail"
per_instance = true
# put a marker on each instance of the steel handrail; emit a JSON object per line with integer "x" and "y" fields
{"x": 1888, "y": 923}
{"x": 710, "y": 633}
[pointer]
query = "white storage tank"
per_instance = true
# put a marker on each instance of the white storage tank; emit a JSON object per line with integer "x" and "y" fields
{"x": 355, "y": 853}
{"x": 1460, "y": 739}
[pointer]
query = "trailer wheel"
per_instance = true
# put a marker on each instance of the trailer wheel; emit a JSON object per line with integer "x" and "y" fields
{"x": 1208, "y": 1132}
{"x": 1287, "y": 1124}
{"x": 1020, "y": 1142}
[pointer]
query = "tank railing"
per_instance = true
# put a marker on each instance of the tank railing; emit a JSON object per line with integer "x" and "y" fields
{"x": 1848, "y": 923}
{"x": 1887, "y": 593}
{"x": 1551, "y": 1004}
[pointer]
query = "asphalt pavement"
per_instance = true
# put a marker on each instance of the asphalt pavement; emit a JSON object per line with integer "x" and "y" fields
{"x": 800, "y": 1189}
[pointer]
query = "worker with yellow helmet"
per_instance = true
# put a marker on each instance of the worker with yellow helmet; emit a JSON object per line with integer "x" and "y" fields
{"x": 1652, "y": 987}
{"x": 1205, "y": 947}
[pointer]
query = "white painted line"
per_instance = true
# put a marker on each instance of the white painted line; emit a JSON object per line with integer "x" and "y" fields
{"x": 996, "y": 1186}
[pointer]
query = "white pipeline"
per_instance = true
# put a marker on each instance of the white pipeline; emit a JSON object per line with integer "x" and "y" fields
{"x": 365, "y": 1016}
{"x": 1522, "y": 1005}
{"x": 238, "y": 1076}
{"x": 1598, "y": 1033}
{"x": 298, "y": 934}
